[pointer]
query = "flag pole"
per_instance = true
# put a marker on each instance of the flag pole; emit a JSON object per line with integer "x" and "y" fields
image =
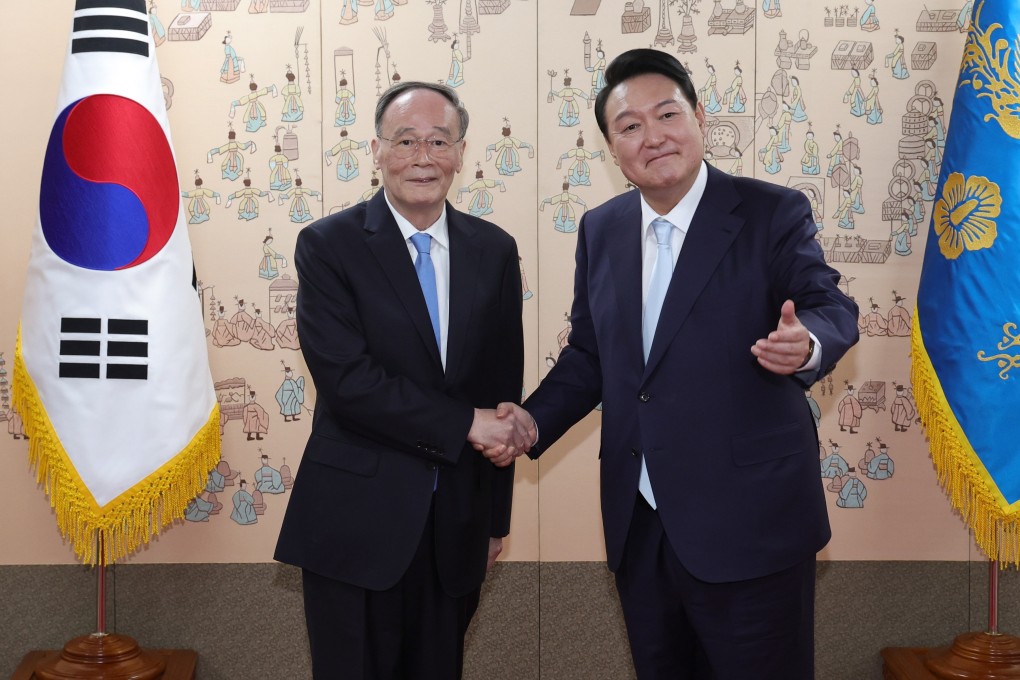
{"x": 100, "y": 588}
{"x": 101, "y": 655}
{"x": 993, "y": 597}
{"x": 974, "y": 656}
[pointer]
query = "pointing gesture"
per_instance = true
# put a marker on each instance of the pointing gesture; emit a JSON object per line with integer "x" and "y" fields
{"x": 786, "y": 349}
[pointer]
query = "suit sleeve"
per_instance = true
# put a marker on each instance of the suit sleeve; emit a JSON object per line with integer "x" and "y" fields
{"x": 574, "y": 385}
{"x": 357, "y": 390}
{"x": 511, "y": 372}
{"x": 800, "y": 273}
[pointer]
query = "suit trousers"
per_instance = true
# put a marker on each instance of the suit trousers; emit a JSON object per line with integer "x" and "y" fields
{"x": 412, "y": 631}
{"x": 682, "y": 628}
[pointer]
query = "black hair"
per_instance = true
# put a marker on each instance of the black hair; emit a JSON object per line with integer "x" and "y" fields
{"x": 638, "y": 62}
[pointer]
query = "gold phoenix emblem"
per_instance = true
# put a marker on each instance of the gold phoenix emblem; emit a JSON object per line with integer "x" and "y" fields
{"x": 994, "y": 70}
{"x": 964, "y": 215}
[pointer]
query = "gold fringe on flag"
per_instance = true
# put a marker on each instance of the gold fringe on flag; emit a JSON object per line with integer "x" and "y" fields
{"x": 961, "y": 473}
{"x": 130, "y": 520}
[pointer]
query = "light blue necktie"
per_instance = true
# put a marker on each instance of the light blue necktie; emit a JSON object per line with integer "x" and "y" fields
{"x": 427, "y": 278}
{"x": 662, "y": 272}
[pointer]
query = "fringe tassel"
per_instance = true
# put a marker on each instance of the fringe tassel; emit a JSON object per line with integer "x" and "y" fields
{"x": 131, "y": 519}
{"x": 961, "y": 474}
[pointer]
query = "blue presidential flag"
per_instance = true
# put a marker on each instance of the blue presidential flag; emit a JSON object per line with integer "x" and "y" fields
{"x": 966, "y": 335}
{"x": 111, "y": 373}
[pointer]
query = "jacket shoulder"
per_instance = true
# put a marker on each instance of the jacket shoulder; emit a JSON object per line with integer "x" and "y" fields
{"x": 490, "y": 231}
{"x": 611, "y": 209}
{"x": 757, "y": 191}
{"x": 342, "y": 226}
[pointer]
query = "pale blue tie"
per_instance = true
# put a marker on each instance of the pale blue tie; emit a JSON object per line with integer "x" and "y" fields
{"x": 662, "y": 272}
{"x": 427, "y": 278}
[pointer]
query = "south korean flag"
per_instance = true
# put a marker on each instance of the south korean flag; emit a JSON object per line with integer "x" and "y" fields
{"x": 111, "y": 368}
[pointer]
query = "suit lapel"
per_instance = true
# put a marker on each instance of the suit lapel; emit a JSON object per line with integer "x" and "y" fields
{"x": 465, "y": 259}
{"x": 623, "y": 240}
{"x": 389, "y": 248}
{"x": 710, "y": 235}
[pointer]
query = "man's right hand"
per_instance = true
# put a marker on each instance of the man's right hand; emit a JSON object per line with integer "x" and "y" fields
{"x": 503, "y": 434}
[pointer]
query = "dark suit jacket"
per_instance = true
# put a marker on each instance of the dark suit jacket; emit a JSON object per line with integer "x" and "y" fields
{"x": 386, "y": 415}
{"x": 731, "y": 448}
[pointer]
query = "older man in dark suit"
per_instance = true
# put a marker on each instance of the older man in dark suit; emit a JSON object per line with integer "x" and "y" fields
{"x": 409, "y": 315}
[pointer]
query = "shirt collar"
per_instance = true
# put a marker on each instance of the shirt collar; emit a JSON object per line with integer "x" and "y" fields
{"x": 683, "y": 212}
{"x": 438, "y": 230}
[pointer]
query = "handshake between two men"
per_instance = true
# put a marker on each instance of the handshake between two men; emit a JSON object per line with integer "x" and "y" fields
{"x": 508, "y": 431}
{"x": 504, "y": 433}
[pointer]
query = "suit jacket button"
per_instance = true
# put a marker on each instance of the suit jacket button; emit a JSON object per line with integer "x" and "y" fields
{"x": 431, "y": 466}
{"x": 635, "y": 453}
{"x": 644, "y": 397}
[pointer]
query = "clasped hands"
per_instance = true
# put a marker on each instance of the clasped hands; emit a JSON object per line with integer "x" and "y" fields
{"x": 502, "y": 434}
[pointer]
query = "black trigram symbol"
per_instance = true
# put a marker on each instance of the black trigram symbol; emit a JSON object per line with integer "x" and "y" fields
{"x": 97, "y": 29}
{"x": 81, "y": 338}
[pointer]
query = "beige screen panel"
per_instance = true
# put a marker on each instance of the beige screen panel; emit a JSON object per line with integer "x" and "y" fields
{"x": 534, "y": 162}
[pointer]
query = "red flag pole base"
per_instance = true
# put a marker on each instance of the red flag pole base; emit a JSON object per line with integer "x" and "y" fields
{"x": 95, "y": 656}
{"x": 978, "y": 655}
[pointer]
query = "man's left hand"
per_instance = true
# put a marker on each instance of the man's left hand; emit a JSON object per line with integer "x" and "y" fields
{"x": 495, "y": 548}
{"x": 784, "y": 350}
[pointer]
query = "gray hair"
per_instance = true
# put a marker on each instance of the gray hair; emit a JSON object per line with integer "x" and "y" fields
{"x": 405, "y": 86}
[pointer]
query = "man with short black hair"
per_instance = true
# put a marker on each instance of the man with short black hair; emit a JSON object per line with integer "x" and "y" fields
{"x": 703, "y": 308}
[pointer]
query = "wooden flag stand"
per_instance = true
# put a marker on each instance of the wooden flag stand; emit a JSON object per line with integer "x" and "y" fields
{"x": 101, "y": 655}
{"x": 981, "y": 655}
{"x": 973, "y": 656}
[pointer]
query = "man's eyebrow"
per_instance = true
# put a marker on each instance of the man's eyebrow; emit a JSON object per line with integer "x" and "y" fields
{"x": 435, "y": 128}
{"x": 627, "y": 112}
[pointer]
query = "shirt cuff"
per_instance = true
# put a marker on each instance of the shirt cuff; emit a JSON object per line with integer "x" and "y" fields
{"x": 814, "y": 362}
